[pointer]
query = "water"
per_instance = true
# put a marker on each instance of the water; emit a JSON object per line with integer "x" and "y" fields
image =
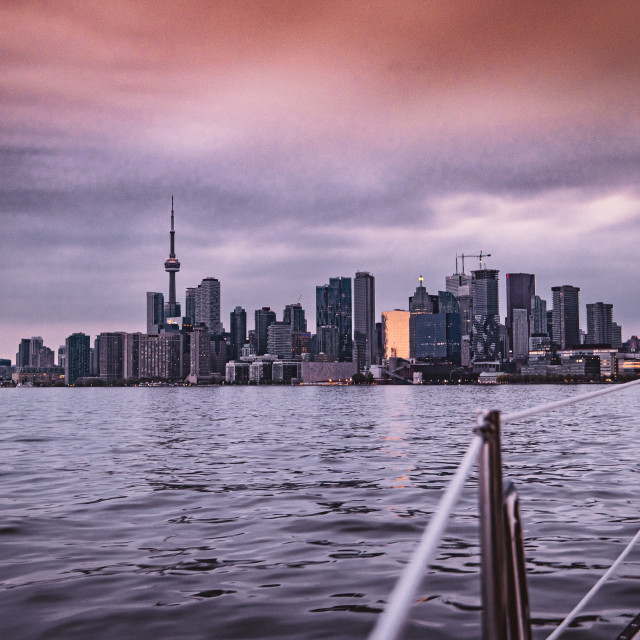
{"x": 245, "y": 512}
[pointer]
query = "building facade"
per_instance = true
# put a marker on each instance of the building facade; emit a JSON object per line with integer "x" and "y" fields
{"x": 364, "y": 320}
{"x": 333, "y": 307}
{"x": 77, "y": 357}
{"x": 566, "y": 316}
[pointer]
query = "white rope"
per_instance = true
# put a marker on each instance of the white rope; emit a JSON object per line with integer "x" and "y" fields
{"x": 596, "y": 587}
{"x": 514, "y": 417}
{"x": 392, "y": 620}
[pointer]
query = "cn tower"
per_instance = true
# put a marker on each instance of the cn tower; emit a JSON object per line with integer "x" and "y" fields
{"x": 172, "y": 266}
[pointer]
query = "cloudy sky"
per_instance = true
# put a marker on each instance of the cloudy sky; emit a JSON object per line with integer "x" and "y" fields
{"x": 305, "y": 140}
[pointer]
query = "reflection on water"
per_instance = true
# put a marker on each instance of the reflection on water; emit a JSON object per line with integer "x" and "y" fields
{"x": 289, "y": 512}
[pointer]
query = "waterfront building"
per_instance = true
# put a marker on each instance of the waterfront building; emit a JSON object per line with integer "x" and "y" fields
{"x": 333, "y": 307}
{"x": 538, "y": 316}
{"x": 261, "y": 371}
{"x": 521, "y": 287}
{"x": 599, "y": 323}
{"x": 237, "y": 372}
{"x": 112, "y": 356}
{"x": 279, "y": 340}
{"x": 286, "y": 372}
{"x": 238, "y": 331}
{"x": 132, "y": 342}
{"x": 155, "y": 312}
{"x": 160, "y": 357}
{"x": 208, "y": 304}
{"x": 77, "y": 357}
{"x": 485, "y": 340}
{"x": 364, "y": 320}
{"x": 263, "y": 318}
{"x": 395, "y": 332}
{"x": 62, "y": 355}
{"x": 566, "y": 316}
{"x": 294, "y": 315}
{"x": 172, "y": 266}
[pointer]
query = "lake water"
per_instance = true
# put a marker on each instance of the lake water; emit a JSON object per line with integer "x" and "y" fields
{"x": 289, "y": 512}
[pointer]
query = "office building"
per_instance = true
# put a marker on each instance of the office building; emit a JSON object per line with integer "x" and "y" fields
{"x": 328, "y": 343}
{"x": 77, "y": 357}
{"x": 566, "y": 316}
{"x": 395, "y": 334}
{"x": 172, "y": 266}
{"x": 599, "y": 323}
{"x": 208, "y": 304}
{"x": 485, "y": 334}
{"x": 521, "y": 287}
{"x": 364, "y": 320}
{"x": 238, "y": 331}
{"x": 538, "y": 322}
{"x": 155, "y": 313}
{"x": 263, "y": 318}
{"x": 333, "y": 307}
{"x": 294, "y": 315}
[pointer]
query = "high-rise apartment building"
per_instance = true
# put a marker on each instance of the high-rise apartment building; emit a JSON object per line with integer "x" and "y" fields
{"x": 364, "y": 320}
{"x": 208, "y": 304}
{"x": 485, "y": 342}
{"x": 279, "y": 340}
{"x": 566, "y": 316}
{"x": 263, "y": 318}
{"x": 77, "y": 357}
{"x": 599, "y": 323}
{"x": 333, "y": 307}
{"x": 112, "y": 355}
{"x": 200, "y": 356}
{"x": 238, "y": 331}
{"x": 520, "y": 332}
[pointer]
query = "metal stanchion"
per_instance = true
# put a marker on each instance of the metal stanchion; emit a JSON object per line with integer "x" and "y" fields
{"x": 492, "y": 529}
{"x": 517, "y": 594}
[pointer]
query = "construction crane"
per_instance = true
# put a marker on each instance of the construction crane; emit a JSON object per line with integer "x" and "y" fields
{"x": 471, "y": 255}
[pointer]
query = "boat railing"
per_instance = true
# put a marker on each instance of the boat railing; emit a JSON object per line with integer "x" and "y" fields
{"x": 505, "y": 607}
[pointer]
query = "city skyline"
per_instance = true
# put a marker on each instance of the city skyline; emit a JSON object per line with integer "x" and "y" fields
{"x": 305, "y": 142}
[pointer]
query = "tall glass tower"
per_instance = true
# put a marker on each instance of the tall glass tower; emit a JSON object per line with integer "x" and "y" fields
{"x": 333, "y": 308}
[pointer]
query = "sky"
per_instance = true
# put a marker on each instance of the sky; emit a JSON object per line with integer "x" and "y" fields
{"x": 308, "y": 140}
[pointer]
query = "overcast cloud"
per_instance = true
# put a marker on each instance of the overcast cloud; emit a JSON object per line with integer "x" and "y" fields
{"x": 309, "y": 140}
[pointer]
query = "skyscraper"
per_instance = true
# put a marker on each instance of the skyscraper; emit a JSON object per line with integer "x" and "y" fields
{"x": 279, "y": 340}
{"x": 77, "y": 362}
{"x": 364, "y": 319}
{"x": 263, "y": 318}
{"x": 190, "y": 305}
{"x": 521, "y": 287}
{"x": 395, "y": 331}
{"x": 294, "y": 315}
{"x": 538, "y": 323}
{"x": 566, "y": 316}
{"x": 155, "y": 313}
{"x": 208, "y": 304}
{"x": 112, "y": 356}
{"x": 485, "y": 343}
{"x": 599, "y": 323}
{"x": 238, "y": 330}
{"x": 172, "y": 266}
{"x": 333, "y": 307}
